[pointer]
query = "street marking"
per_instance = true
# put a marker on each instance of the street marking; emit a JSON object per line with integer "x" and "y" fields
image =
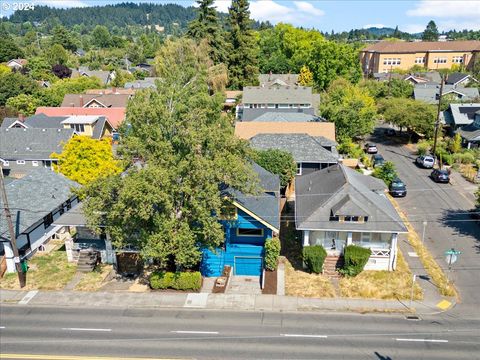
{"x": 26, "y": 299}
{"x": 194, "y": 332}
{"x": 71, "y": 357}
{"x": 305, "y": 336}
{"x": 2, "y": 327}
{"x": 412, "y": 254}
{"x": 424, "y": 340}
{"x": 444, "y": 304}
{"x": 196, "y": 300}
{"x": 86, "y": 329}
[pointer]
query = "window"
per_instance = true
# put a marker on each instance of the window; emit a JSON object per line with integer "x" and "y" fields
{"x": 440, "y": 60}
{"x": 299, "y": 168}
{"x": 249, "y": 232}
{"x": 457, "y": 59}
{"x": 420, "y": 60}
{"x": 392, "y": 61}
{"x": 34, "y": 163}
{"x": 334, "y": 218}
{"x": 48, "y": 220}
{"x": 228, "y": 212}
{"x": 20, "y": 162}
{"x": 69, "y": 204}
{"x": 78, "y": 127}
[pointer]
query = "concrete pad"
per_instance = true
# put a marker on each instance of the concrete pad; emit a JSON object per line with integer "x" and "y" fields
{"x": 194, "y": 300}
{"x": 444, "y": 304}
{"x": 173, "y": 300}
{"x": 412, "y": 254}
{"x": 11, "y": 295}
{"x": 235, "y": 301}
{"x": 264, "y": 302}
{"x": 285, "y": 303}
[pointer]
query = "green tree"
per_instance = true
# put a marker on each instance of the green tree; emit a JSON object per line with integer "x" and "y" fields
{"x": 456, "y": 144}
{"x": 387, "y": 172}
{"x": 431, "y": 32}
{"x": 188, "y": 150}
{"x": 399, "y": 88}
{"x": 53, "y": 96}
{"x": 4, "y": 69}
{"x": 350, "y": 107}
{"x": 25, "y": 104}
{"x": 9, "y": 48}
{"x": 13, "y": 84}
{"x": 377, "y": 89}
{"x": 61, "y": 36}
{"x": 101, "y": 37}
{"x": 278, "y": 162}
{"x": 305, "y": 77}
{"x": 243, "y": 58}
{"x": 57, "y": 55}
{"x": 207, "y": 27}
{"x": 39, "y": 68}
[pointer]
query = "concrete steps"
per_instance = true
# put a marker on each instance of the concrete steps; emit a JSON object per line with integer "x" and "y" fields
{"x": 332, "y": 264}
{"x": 87, "y": 260}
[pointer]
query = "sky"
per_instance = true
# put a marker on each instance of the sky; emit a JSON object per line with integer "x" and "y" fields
{"x": 327, "y": 15}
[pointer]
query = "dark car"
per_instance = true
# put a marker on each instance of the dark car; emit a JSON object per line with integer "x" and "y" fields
{"x": 390, "y": 132}
{"x": 397, "y": 188}
{"x": 441, "y": 176}
{"x": 378, "y": 160}
{"x": 371, "y": 148}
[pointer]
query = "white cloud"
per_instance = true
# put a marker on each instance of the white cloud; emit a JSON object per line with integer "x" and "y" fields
{"x": 412, "y": 28}
{"x": 374, "y": 26}
{"x": 308, "y": 8}
{"x": 446, "y": 9}
{"x": 222, "y": 5}
{"x": 62, "y": 4}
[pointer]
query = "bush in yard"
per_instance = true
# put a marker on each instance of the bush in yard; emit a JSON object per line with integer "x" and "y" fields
{"x": 386, "y": 172}
{"x": 355, "y": 259}
{"x": 423, "y": 147}
{"x": 313, "y": 257}
{"x": 161, "y": 280}
{"x": 464, "y": 158}
{"x": 177, "y": 280}
{"x": 272, "y": 251}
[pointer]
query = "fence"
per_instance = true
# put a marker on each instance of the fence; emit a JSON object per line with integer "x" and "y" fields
{"x": 3, "y": 265}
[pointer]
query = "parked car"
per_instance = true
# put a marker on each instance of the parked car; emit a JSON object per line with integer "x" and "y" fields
{"x": 440, "y": 175}
{"x": 378, "y": 160}
{"x": 390, "y": 132}
{"x": 397, "y": 188}
{"x": 425, "y": 161}
{"x": 371, "y": 148}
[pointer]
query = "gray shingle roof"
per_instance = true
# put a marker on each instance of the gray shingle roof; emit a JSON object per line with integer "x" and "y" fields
{"x": 461, "y": 114}
{"x": 148, "y": 82}
{"x": 429, "y": 93}
{"x": 74, "y": 217}
{"x": 32, "y": 143}
{"x": 34, "y": 196}
{"x": 38, "y": 121}
{"x": 304, "y": 148}
{"x": 278, "y": 95}
{"x": 470, "y": 132}
{"x": 252, "y": 114}
{"x": 456, "y": 77}
{"x": 278, "y": 79}
{"x": 104, "y": 76}
{"x": 341, "y": 188}
{"x": 292, "y": 116}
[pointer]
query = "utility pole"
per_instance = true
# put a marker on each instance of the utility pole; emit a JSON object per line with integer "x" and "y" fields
{"x": 13, "y": 241}
{"x": 437, "y": 122}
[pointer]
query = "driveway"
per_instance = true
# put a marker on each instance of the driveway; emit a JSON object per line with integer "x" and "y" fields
{"x": 443, "y": 207}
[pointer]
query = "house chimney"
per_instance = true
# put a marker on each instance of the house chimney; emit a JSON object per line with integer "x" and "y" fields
{"x": 21, "y": 117}
{"x": 81, "y": 101}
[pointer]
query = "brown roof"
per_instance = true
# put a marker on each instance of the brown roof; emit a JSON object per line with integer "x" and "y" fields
{"x": 109, "y": 100}
{"x": 110, "y": 91}
{"x": 249, "y": 129}
{"x": 232, "y": 94}
{"x": 20, "y": 61}
{"x": 423, "y": 46}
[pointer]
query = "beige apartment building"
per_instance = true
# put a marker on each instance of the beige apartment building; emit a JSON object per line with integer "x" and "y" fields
{"x": 387, "y": 56}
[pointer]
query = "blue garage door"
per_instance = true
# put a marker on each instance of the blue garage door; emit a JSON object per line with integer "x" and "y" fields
{"x": 247, "y": 265}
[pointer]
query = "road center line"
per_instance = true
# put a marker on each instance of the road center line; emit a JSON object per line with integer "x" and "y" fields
{"x": 2, "y": 327}
{"x": 194, "y": 332}
{"x": 86, "y": 329}
{"x": 29, "y": 296}
{"x": 423, "y": 340}
{"x": 305, "y": 336}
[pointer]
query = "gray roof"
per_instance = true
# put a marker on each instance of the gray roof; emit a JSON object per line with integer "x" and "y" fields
{"x": 429, "y": 93}
{"x": 292, "y": 116}
{"x": 278, "y": 95}
{"x": 248, "y": 114}
{"x": 32, "y": 144}
{"x": 303, "y": 147}
{"x": 148, "y": 82}
{"x": 470, "y": 132}
{"x": 74, "y": 217}
{"x": 339, "y": 189}
{"x": 278, "y": 79}
{"x": 456, "y": 77}
{"x": 34, "y": 196}
{"x": 461, "y": 114}
{"x": 108, "y": 100}
{"x": 38, "y": 121}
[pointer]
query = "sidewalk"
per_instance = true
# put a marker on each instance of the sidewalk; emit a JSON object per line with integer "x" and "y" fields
{"x": 231, "y": 302}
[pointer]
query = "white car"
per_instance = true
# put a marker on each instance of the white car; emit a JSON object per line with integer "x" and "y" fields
{"x": 371, "y": 148}
{"x": 426, "y": 161}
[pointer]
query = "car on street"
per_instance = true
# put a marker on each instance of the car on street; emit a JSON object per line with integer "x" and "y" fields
{"x": 371, "y": 148}
{"x": 390, "y": 132}
{"x": 440, "y": 176}
{"x": 425, "y": 161}
{"x": 378, "y": 160}
{"x": 397, "y": 188}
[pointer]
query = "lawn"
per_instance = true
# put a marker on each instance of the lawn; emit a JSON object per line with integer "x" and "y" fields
{"x": 46, "y": 272}
{"x": 94, "y": 280}
{"x": 384, "y": 285}
{"x": 301, "y": 283}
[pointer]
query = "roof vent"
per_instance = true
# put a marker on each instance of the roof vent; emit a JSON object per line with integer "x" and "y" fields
{"x": 24, "y": 129}
{"x": 59, "y": 130}
{"x": 44, "y": 130}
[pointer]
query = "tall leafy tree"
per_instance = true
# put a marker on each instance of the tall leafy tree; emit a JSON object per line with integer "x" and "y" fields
{"x": 431, "y": 32}
{"x": 13, "y": 84}
{"x": 187, "y": 151}
{"x": 278, "y": 162}
{"x": 101, "y": 37}
{"x": 25, "y": 104}
{"x": 305, "y": 77}
{"x": 61, "y": 36}
{"x": 206, "y": 26}
{"x": 8, "y": 48}
{"x": 243, "y": 58}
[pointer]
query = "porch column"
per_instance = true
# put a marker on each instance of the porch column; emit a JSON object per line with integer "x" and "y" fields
{"x": 9, "y": 257}
{"x": 109, "y": 250}
{"x": 392, "y": 261}
{"x": 349, "y": 238}
{"x": 306, "y": 237}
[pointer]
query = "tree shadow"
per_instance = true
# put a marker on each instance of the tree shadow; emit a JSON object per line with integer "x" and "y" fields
{"x": 464, "y": 223}
{"x": 290, "y": 238}
{"x": 381, "y": 357}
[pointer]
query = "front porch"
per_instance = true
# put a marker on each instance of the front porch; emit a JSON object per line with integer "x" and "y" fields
{"x": 382, "y": 245}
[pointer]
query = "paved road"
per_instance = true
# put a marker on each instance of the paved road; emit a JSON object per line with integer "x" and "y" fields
{"x": 204, "y": 334}
{"x": 444, "y": 207}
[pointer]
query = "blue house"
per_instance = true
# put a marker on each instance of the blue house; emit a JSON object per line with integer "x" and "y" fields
{"x": 248, "y": 223}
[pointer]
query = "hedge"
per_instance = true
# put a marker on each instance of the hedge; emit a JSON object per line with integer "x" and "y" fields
{"x": 356, "y": 257}
{"x": 272, "y": 252}
{"x": 314, "y": 257}
{"x": 177, "y": 280}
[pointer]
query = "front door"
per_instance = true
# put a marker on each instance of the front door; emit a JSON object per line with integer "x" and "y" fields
{"x": 247, "y": 266}
{"x": 333, "y": 244}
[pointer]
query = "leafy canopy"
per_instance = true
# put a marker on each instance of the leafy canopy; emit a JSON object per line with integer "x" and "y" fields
{"x": 279, "y": 162}
{"x": 387, "y": 172}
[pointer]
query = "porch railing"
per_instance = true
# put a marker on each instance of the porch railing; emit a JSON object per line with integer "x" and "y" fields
{"x": 380, "y": 252}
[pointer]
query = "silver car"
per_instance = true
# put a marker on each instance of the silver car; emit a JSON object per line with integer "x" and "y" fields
{"x": 426, "y": 161}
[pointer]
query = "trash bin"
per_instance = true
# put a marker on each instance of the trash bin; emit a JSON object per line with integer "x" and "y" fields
{"x": 24, "y": 265}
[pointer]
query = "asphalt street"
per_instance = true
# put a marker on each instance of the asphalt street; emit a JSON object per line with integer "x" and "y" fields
{"x": 200, "y": 334}
{"x": 444, "y": 208}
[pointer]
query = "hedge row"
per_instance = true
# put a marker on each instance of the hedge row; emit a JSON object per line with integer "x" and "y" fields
{"x": 272, "y": 252}
{"x": 356, "y": 257}
{"x": 313, "y": 257}
{"x": 176, "y": 280}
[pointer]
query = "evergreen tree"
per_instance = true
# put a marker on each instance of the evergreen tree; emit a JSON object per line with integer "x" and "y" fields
{"x": 396, "y": 33}
{"x": 431, "y": 32}
{"x": 243, "y": 62}
{"x": 206, "y": 26}
{"x": 63, "y": 37}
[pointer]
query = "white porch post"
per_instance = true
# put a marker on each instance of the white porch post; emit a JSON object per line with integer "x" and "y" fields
{"x": 9, "y": 257}
{"x": 109, "y": 249}
{"x": 349, "y": 238}
{"x": 306, "y": 237}
{"x": 392, "y": 261}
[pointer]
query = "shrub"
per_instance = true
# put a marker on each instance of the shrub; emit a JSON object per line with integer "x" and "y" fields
{"x": 177, "y": 280}
{"x": 313, "y": 257}
{"x": 272, "y": 251}
{"x": 355, "y": 259}
{"x": 386, "y": 172}
{"x": 464, "y": 158}
{"x": 423, "y": 147}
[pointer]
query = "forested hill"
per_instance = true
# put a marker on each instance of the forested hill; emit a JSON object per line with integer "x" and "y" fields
{"x": 118, "y": 15}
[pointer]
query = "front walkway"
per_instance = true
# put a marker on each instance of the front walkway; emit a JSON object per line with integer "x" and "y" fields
{"x": 246, "y": 285}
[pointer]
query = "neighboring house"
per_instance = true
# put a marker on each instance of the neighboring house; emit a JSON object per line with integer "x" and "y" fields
{"x": 431, "y": 93}
{"x": 386, "y": 56}
{"x": 231, "y": 98}
{"x": 143, "y": 67}
{"x": 114, "y": 115}
{"x": 338, "y": 206}
{"x": 94, "y": 126}
{"x": 112, "y": 90}
{"x": 80, "y": 52}
{"x": 36, "y": 201}
{"x": 266, "y": 80}
{"x": 458, "y": 115}
{"x": 96, "y": 100}
{"x": 24, "y": 149}
{"x": 432, "y": 77}
{"x": 459, "y": 79}
{"x": 471, "y": 133}
{"x": 17, "y": 64}
{"x": 253, "y": 114}
{"x": 309, "y": 152}
{"x": 44, "y": 84}
{"x": 249, "y": 221}
{"x": 247, "y": 130}
{"x": 106, "y": 77}
{"x": 147, "y": 83}
{"x": 284, "y": 116}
